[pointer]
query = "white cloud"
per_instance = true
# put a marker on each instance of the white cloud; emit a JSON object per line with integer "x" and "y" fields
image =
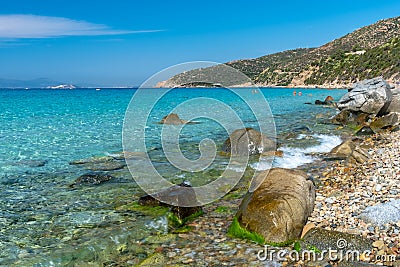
{"x": 31, "y": 26}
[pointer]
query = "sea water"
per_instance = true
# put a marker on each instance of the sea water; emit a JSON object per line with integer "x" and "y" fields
{"x": 44, "y": 222}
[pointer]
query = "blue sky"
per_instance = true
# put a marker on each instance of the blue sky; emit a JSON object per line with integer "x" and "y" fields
{"x": 117, "y": 43}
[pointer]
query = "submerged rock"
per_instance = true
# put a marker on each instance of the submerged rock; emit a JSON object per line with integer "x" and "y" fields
{"x": 104, "y": 163}
{"x": 104, "y": 166}
{"x": 382, "y": 214}
{"x": 247, "y": 141}
{"x": 89, "y": 219}
{"x": 369, "y": 96}
{"x": 172, "y": 119}
{"x": 31, "y": 163}
{"x": 278, "y": 209}
{"x": 92, "y": 160}
{"x": 92, "y": 179}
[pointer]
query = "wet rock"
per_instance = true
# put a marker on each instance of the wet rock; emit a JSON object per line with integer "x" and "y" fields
{"x": 388, "y": 121}
{"x": 328, "y": 101}
{"x": 150, "y": 201}
{"x": 128, "y": 155}
{"x": 88, "y": 219}
{"x": 104, "y": 163}
{"x": 382, "y": 214}
{"x": 105, "y": 166}
{"x": 342, "y": 118}
{"x": 92, "y": 160}
{"x": 349, "y": 151}
{"x": 31, "y": 163}
{"x": 301, "y": 129}
{"x": 92, "y": 179}
{"x": 365, "y": 130}
{"x": 172, "y": 119}
{"x": 180, "y": 198}
{"x": 369, "y": 96}
{"x": 278, "y": 209}
{"x": 346, "y": 117}
{"x": 247, "y": 141}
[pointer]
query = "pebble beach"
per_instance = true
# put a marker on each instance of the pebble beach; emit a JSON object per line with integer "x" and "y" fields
{"x": 349, "y": 189}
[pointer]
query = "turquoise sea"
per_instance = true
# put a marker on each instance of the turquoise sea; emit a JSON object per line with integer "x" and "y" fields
{"x": 44, "y": 222}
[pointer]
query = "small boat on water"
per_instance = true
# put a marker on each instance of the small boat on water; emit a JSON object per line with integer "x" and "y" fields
{"x": 98, "y": 89}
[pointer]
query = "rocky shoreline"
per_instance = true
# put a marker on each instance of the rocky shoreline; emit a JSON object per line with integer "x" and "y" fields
{"x": 356, "y": 202}
{"x": 344, "y": 191}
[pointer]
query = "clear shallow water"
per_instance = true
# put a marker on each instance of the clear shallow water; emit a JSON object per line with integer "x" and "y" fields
{"x": 42, "y": 220}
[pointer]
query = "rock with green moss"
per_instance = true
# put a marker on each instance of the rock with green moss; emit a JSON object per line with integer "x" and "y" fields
{"x": 278, "y": 209}
{"x": 160, "y": 239}
{"x": 181, "y": 199}
{"x": 236, "y": 230}
{"x": 175, "y": 222}
{"x": 156, "y": 259}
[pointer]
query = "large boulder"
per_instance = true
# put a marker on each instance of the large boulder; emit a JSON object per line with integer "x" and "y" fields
{"x": 369, "y": 96}
{"x": 247, "y": 141}
{"x": 279, "y": 208}
{"x": 382, "y": 214}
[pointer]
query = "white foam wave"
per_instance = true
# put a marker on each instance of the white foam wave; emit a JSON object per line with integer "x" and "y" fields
{"x": 294, "y": 157}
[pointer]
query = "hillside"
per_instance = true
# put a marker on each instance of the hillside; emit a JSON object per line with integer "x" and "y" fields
{"x": 365, "y": 53}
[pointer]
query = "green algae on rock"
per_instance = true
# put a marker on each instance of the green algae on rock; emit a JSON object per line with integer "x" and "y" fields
{"x": 278, "y": 209}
